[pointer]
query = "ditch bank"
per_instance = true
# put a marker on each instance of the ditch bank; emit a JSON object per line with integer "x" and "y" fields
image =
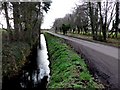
{"x": 14, "y": 81}
{"x": 68, "y": 70}
{"x": 96, "y": 66}
{"x": 34, "y": 74}
{"x": 101, "y": 60}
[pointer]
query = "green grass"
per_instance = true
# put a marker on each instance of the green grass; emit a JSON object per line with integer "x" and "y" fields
{"x": 111, "y": 41}
{"x": 68, "y": 70}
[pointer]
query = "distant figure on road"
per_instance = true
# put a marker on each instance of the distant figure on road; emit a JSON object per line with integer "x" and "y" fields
{"x": 65, "y": 28}
{"x": 55, "y": 29}
{"x": 73, "y": 30}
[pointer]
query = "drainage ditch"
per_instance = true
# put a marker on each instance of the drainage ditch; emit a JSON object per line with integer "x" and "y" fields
{"x": 35, "y": 74}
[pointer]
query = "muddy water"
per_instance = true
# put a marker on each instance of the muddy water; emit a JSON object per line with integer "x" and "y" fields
{"x": 34, "y": 75}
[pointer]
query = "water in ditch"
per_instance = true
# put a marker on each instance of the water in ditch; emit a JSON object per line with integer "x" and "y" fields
{"x": 41, "y": 74}
{"x": 35, "y": 74}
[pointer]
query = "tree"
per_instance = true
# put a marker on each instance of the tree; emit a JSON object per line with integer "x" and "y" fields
{"x": 91, "y": 19}
{"x": 16, "y": 18}
{"x": 117, "y": 18}
{"x": 102, "y": 25}
{"x": 27, "y": 18}
{"x": 5, "y": 7}
{"x": 6, "y": 15}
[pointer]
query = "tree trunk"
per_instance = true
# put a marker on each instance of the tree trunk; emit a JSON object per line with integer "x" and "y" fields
{"x": 105, "y": 24}
{"x": 91, "y": 19}
{"x": 39, "y": 26}
{"x": 101, "y": 20}
{"x": 6, "y": 15}
{"x": 117, "y": 19}
{"x": 16, "y": 19}
{"x": 7, "y": 21}
{"x": 96, "y": 17}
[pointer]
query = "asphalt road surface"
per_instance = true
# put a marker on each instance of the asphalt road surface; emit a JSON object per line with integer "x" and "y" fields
{"x": 103, "y": 59}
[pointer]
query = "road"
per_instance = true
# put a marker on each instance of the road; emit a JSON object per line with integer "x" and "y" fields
{"x": 102, "y": 59}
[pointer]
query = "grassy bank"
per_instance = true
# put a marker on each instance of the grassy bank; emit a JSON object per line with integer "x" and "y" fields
{"x": 14, "y": 56}
{"x": 68, "y": 70}
{"x": 110, "y": 41}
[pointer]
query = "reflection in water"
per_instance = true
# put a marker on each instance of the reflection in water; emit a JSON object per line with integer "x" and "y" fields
{"x": 40, "y": 76}
{"x": 42, "y": 60}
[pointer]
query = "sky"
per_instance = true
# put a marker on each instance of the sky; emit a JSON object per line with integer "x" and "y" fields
{"x": 2, "y": 20}
{"x": 58, "y": 9}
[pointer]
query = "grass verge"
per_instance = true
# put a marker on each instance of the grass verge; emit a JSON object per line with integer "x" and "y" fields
{"x": 68, "y": 70}
{"x": 110, "y": 41}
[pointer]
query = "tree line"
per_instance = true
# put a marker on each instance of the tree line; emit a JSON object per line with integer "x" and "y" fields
{"x": 95, "y": 18}
{"x": 27, "y": 18}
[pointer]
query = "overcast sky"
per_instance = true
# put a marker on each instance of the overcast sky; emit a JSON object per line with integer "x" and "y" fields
{"x": 58, "y": 9}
